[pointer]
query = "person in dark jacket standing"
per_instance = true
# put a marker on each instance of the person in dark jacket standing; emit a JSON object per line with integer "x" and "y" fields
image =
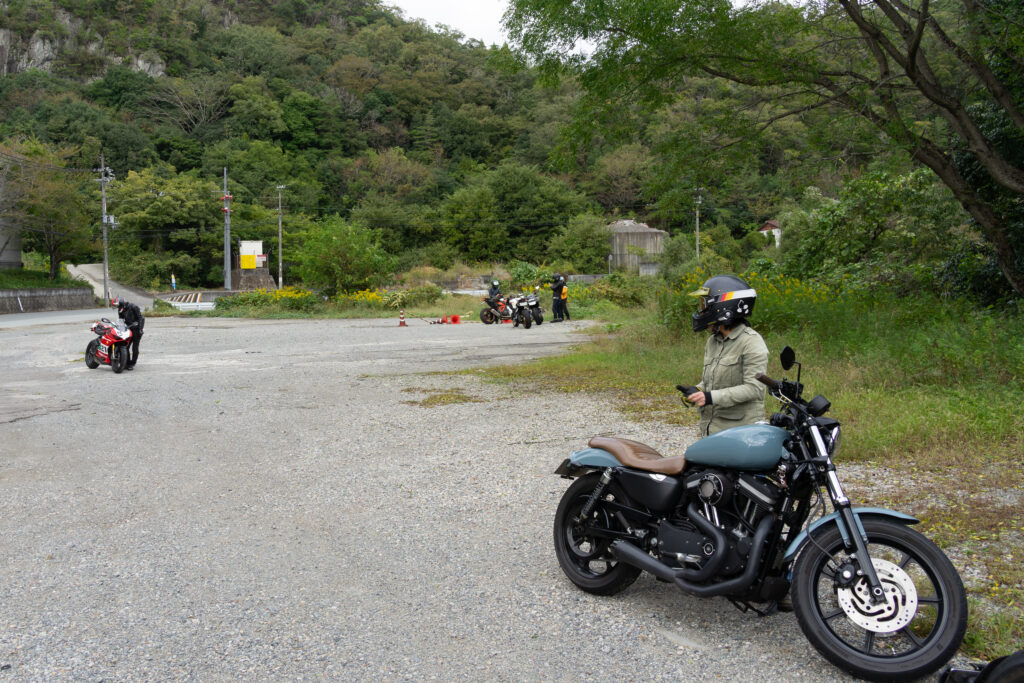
{"x": 133, "y": 318}
{"x": 557, "y": 285}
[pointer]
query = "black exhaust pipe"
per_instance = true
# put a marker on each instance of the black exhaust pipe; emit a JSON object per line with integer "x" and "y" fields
{"x": 630, "y": 554}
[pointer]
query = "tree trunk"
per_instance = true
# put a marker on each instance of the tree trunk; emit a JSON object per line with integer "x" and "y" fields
{"x": 991, "y": 224}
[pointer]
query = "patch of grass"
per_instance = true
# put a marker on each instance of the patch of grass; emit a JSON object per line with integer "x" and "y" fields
{"x": 995, "y": 632}
{"x": 23, "y": 278}
{"x": 466, "y": 307}
{"x": 441, "y": 397}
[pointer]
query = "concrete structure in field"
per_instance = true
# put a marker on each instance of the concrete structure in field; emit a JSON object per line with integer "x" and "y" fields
{"x": 252, "y": 271}
{"x": 636, "y": 247}
{"x": 10, "y": 248}
{"x": 772, "y": 228}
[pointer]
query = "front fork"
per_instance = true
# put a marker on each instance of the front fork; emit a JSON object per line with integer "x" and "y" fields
{"x": 849, "y": 520}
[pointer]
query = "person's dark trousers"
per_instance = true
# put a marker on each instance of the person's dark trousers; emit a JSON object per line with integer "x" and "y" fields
{"x": 565, "y": 309}
{"x": 136, "y": 338}
{"x": 556, "y": 310}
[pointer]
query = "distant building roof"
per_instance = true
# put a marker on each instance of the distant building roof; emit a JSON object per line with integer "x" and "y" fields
{"x": 630, "y": 225}
{"x": 769, "y": 226}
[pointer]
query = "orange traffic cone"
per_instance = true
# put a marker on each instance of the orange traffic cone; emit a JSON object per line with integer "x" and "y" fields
{"x": 401, "y": 318}
{"x": 455, "y": 319}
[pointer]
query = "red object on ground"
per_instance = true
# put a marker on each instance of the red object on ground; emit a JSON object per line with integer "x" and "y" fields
{"x": 401, "y": 319}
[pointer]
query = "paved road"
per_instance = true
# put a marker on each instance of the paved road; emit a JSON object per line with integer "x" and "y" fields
{"x": 93, "y": 274}
{"x": 270, "y": 500}
{"x": 84, "y": 315}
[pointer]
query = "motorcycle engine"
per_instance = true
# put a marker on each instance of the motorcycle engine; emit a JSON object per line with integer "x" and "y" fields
{"x": 732, "y": 501}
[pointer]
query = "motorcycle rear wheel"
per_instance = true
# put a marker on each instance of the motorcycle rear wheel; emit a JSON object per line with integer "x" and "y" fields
{"x": 90, "y": 355}
{"x": 921, "y": 626}
{"x": 527, "y": 319}
{"x": 538, "y": 317}
{"x": 120, "y": 359}
{"x": 487, "y": 316}
{"x": 584, "y": 559}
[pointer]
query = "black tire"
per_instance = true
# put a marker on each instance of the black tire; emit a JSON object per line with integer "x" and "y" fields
{"x": 586, "y": 560}
{"x": 527, "y": 319}
{"x": 90, "y": 355}
{"x": 119, "y": 361}
{"x": 901, "y": 643}
{"x": 538, "y": 317}
{"x": 487, "y": 316}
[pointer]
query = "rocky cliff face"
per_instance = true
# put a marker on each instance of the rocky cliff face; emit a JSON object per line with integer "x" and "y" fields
{"x": 42, "y": 50}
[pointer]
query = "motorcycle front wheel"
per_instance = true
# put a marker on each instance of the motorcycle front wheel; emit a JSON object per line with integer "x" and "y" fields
{"x": 582, "y": 554}
{"x": 120, "y": 359}
{"x": 918, "y": 628}
{"x": 487, "y": 316}
{"x": 90, "y": 355}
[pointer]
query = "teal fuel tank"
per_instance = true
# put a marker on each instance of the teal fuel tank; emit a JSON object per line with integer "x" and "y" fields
{"x": 751, "y": 447}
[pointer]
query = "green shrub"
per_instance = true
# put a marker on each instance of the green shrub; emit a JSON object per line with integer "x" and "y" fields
{"x": 627, "y": 291}
{"x": 287, "y": 299}
{"x": 416, "y": 296}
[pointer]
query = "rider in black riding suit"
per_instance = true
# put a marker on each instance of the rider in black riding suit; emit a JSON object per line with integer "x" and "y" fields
{"x": 495, "y": 290}
{"x": 133, "y": 318}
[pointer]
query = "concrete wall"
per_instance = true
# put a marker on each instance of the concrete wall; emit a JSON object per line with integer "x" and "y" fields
{"x": 32, "y": 300}
{"x": 651, "y": 242}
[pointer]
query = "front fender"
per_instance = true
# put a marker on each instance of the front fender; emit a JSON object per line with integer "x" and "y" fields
{"x": 798, "y": 542}
{"x": 587, "y": 459}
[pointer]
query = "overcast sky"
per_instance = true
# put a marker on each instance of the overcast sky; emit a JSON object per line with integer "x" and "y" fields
{"x": 480, "y": 19}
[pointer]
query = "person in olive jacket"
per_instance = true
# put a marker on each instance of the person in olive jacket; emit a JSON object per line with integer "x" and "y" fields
{"x": 728, "y": 394}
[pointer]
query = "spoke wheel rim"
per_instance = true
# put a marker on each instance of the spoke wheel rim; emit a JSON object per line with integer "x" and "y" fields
{"x": 910, "y": 619}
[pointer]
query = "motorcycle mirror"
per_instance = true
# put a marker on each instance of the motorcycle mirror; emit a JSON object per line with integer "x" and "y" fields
{"x": 787, "y": 358}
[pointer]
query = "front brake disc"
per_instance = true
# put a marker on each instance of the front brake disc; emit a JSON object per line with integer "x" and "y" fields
{"x": 894, "y": 613}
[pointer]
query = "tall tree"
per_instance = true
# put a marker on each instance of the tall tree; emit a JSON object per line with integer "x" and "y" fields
{"x": 56, "y": 208}
{"x": 940, "y": 78}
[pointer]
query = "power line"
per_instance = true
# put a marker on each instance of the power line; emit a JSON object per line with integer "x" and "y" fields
{"x": 19, "y": 160}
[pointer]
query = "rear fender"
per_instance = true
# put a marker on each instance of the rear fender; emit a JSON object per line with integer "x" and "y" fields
{"x": 586, "y": 460}
{"x": 834, "y": 518}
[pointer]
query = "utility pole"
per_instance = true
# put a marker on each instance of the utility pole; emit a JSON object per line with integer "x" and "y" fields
{"x": 698, "y": 222}
{"x": 106, "y": 175}
{"x": 227, "y": 233}
{"x": 280, "y": 257}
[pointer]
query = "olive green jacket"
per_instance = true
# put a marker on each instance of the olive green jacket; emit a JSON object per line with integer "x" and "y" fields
{"x": 736, "y": 398}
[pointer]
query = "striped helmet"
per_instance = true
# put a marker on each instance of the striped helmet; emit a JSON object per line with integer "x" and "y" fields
{"x": 724, "y": 299}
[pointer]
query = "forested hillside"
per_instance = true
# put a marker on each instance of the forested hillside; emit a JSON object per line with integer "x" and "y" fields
{"x": 441, "y": 147}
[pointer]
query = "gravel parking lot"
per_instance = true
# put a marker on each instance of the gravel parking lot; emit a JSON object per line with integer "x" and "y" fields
{"x": 269, "y": 500}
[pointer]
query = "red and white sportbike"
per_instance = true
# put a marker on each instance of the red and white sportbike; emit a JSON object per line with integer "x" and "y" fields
{"x": 110, "y": 346}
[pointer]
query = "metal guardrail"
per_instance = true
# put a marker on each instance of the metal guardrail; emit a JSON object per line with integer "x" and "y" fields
{"x": 191, "y": 301}
{"x": 194, "y": 306}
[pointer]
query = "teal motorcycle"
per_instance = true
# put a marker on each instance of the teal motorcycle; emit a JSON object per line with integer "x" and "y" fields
{"x": 755, "y": 514}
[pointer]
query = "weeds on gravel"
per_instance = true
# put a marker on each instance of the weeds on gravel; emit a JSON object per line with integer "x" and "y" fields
{"x": 441, "y": 397}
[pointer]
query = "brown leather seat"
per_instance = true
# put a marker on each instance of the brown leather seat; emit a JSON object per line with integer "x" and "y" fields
{"x": 639, "y": 456}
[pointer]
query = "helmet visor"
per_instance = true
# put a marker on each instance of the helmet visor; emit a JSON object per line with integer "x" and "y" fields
{"x": 702, "y": 298}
